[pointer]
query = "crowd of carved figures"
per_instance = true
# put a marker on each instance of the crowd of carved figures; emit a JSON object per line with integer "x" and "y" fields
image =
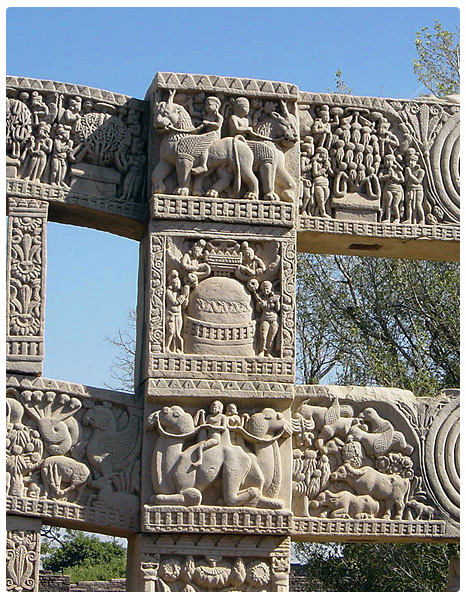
{"x": 217, "y": 457}
{"x": 63, "y": 449}
{"x": 223, "y": 292}
{"x": 228, "y": 147}
{"x": 366, "y": 155}
{"x": 353, "y": 465}
{"x": 49, "y": 132}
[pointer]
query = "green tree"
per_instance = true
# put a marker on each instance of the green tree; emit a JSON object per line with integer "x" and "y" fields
{"x": 83, "y": 556}
{"x": 374, "y": 321}
{"x": 438, "y": 63}
{"x": 364, "y": 567}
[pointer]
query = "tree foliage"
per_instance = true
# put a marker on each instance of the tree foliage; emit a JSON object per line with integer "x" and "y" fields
{"x": 374, "y": 321}
{"x": 364, "y": 567}
{"x": 83, "y": 556}
{"x": 438, "y": 63}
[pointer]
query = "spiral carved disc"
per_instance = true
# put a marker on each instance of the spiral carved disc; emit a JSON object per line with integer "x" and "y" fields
{"x": 445, "y": 160}
{"x": 442, "y": 458}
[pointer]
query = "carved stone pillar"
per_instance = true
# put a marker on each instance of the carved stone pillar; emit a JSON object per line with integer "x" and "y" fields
{"x": 208, "y": 563}
{"x": 216, "y": 352}
{"x": 26, "y": 285}
{"x": 22, "y": 554}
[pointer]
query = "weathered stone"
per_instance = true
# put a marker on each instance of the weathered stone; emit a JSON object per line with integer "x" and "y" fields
{"x": 219, "y": 458}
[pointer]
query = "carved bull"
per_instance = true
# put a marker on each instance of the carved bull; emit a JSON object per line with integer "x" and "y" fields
{"x": 390, "y": 490}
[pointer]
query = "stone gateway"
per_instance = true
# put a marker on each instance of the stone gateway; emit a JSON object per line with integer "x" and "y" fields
{"x": 219, "y": 459}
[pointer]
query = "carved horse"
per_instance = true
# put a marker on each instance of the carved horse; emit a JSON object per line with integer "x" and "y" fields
{"x": 271, "y": 135}
{"x": 180, "y": 148}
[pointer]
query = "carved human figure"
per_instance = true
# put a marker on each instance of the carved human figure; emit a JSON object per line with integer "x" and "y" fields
{"x": 321, "y": 128}
{"x": 194, "y": 263}
{"x": 133, "y": 167}
{"x": 414, "y": 176}
{"x": 38, "y": 148}
{"x": 62, "y": 146}
{"x": 212, "y": 122}
{"x": 39, "y": 109}
{"x": 321, "y": 169}
{"x": 307, "y": 200}
{"x": 268, "y": 304}
{"x": 239, "y": 123}
{"x": 392, "y": 191}
{"x": 177, "y": 299}
{"x": 215, "y": 424}
{"x": 251, "y": 265}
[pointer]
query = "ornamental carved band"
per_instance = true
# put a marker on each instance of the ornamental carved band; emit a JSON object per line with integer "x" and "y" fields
{"x": 219, "y": 459}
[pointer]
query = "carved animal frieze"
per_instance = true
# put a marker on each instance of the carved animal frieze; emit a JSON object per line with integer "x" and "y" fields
{"x": 71, "y": 450}
{"x": 218, "y": 457}
{"x": 365, "y": 458}
{"x": 229, "y": 146}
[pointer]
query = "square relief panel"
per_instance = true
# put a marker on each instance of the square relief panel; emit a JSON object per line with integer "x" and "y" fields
{"x": 221, "y": 139}
{"x": 217, "y": 466}
{"x": 221, "y": 305}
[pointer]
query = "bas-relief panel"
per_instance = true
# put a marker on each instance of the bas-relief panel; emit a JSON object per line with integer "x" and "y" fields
{"x": 212, "y": 563}
{"x": 374, "y": 462}
{"x": 221, "y": 305}
{"x": 71, "y": 457}
{"x": 76, "y": 145}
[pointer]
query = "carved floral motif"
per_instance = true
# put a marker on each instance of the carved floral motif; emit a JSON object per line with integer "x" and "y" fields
{"x": 22, "y": 561}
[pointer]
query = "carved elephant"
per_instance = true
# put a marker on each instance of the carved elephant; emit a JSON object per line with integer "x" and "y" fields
{"x": 62, "y": 476}
{"x": 181, "y": 475}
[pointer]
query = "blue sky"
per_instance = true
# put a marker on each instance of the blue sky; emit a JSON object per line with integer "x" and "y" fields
{"x": 92, "y": 276}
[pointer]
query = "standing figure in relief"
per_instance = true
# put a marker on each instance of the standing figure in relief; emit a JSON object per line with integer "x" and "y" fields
{"x": 321, "y": 169}
{"x": 38, "y": 149}
{"x": 307, "y": 204}
{"x": 392, "y": 194}
{"x": 268, "y": 304}
{"x": 321, "y": 128}
{"x": 62, "y": 146}
{"x": 177, "y": 300}
{"x": 414, "y": 189}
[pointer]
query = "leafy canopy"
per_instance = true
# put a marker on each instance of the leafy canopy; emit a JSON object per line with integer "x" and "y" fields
{"x": 84, "y": 557}
{"x": 438, "y": 62}
{"x": 364, "y": 567}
